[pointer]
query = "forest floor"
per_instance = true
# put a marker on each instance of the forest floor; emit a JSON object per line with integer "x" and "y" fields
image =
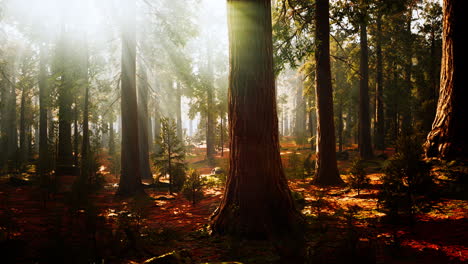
{"x": 343, "y": 227}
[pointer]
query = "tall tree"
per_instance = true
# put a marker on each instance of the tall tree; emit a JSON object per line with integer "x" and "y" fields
{"x": 300, "y": 112}
{"x": 257, "y": 201}
{"x": 379, "y": 122}
{"x": 448, "y": 140}
{"x": 365, "y": 146}
{"x": 130, "y": 178}
{"x": 43, "y": 106}
{"x": 327, "y": 168}
{"x": 65, "y": 101}
{"x": 210, "y": 116}
{"x": 85, "y": 144}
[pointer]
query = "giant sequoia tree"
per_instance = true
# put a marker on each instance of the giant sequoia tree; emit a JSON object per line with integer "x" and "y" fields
{"x": 257, "y": 201}
{"x": 327, "y": 169}
{"x": 130, "y": 179}
{"x": 448, "y": 139}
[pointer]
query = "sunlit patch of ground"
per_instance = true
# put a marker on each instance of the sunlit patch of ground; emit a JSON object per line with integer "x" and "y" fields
{"x": 439, "y": 235}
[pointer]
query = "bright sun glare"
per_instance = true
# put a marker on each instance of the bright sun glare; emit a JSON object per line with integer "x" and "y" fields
{"x": 94, "y": 16}
{"x": 88, "y": 15}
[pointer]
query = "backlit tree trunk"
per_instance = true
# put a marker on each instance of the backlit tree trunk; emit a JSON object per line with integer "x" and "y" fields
{"x": 379, "y": 135}
{"x": 448, "y": 139}
{"x": 257, "y": 202}
{"x": 327, "y": 169}
{"x": 130, "y": 178}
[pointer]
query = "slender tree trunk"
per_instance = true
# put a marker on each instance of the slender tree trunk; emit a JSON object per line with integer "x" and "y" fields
{"x": 448, "y": 139}
{"x": 311, "y": 124}
{"x": 340, "y": 126}
{"x": 12, "y": 132}
{"x": 143, "y": 124}
{"x": 407, "y": 107}
{"x": 210, "y": 119}
{"x": 365, "y": 146}
{"x": 23, "y": 150}
{"x": 111, "y": 139}
{"x": 65, "y": 100}
{"x": 157, "y": 118}
{"x": 327, "y": 169}
{"x": 379, "y": 111}
{"x": 85, "y": 144}
{"x": 222, "y": 137}
{"x": 300, "y": 111}
{"x": 43, "y": 106}
{"x": 179, "y": 111}
{"x": 76, "y": 135}
{"x": 130, "y": 179}
{"x": 257, "y": 202}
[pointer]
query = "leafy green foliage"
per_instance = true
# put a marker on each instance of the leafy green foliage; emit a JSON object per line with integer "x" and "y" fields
{"x": 193, "y": 187}
{"x": 309, "y": 166}
{"x": 357, "y": 176}
{"x": 295, "y": 168}
{"x": 407, "y": 183}
{"x": 171, "y": 158}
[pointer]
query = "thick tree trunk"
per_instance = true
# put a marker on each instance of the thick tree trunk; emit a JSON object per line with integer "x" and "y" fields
{"x": 257, "y": 202}
{"x": 130, "y": 179}
{"x": 365, "y": 146}
{"x": 327, "y": 169}
{"x": 379, "y": 126}
{"x": 448, "y": 139}
{"x": 143, "y": 124}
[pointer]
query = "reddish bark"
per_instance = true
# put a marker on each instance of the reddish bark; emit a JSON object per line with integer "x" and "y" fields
{"x": 327, "y": 169}
{"x": 448, "y": 140}
{"x": 257, "y": 202}
{"x": 130, "y": 178}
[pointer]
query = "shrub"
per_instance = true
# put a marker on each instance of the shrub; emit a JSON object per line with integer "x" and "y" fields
{"x": 309, "y": 166}
{"x": 295, "y": 169}
{"x": 193, "y": 187}
{"x": 407, "y": 183}
{"x": 357, "y": 176}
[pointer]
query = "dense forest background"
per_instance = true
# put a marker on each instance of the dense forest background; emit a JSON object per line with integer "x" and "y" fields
{"x": 252, "y": 130}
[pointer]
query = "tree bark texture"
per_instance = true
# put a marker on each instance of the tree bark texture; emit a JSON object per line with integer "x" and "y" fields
{"x": 365, "y": 146}
{"x": 448, "y": 139}
{"x": 379, "y": 127}
{"x": 130, "y": 179}
{"x": 257, "y": 202}
{"x": 327, "y": 169}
